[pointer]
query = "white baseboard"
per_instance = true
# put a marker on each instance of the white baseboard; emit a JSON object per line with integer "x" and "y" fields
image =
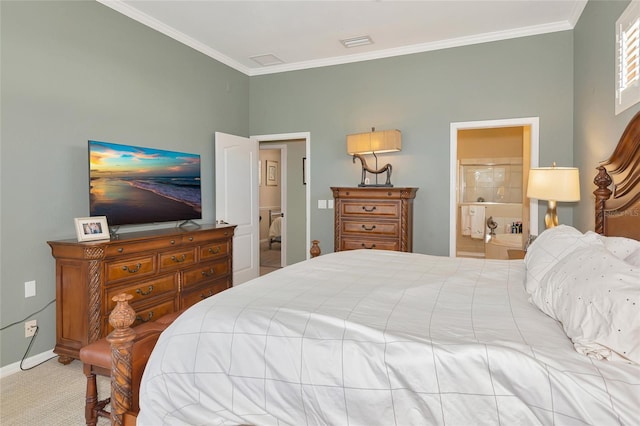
{"x": 10, "y": 369}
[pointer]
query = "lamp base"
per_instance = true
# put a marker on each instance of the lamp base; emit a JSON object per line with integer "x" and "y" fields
{"x": 377, "y": 185}
{"x": 551, "y": 217}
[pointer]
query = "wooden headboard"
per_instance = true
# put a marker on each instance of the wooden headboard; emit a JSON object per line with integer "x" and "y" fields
{"x": 618, "y": 210}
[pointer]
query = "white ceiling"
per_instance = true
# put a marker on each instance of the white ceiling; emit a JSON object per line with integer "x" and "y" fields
{"x": 307, "y": 34}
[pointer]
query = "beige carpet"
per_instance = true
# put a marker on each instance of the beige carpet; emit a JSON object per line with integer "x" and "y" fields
{"x": 50, "y": 394}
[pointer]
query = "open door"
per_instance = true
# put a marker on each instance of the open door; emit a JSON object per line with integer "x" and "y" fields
{"x": 236, "y": 166}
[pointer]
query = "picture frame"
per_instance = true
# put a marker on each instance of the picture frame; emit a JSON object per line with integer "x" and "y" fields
{"x": 304, "y": 170}
{"x": 92, "y": 228}
{"x": 272, "y": 173}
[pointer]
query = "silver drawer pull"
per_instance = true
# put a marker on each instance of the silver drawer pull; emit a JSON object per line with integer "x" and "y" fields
{"x": 149, "y": 316}
{"x": 145, "y": 293}
{"x": 206, "y": 296}
{"x": 368, "y": 210}
{"x": 179, "y": 259}
{"x": 134, "y": 270}
{"x": 368, "y": 248}
{"x": 209, "y": 273}
{"x": 368, "y": 229}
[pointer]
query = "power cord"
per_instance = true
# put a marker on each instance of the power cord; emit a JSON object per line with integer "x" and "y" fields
{"x": 32, "y": 338}
{"x": 27, "y": 317}
{"x": 27, "y": 352}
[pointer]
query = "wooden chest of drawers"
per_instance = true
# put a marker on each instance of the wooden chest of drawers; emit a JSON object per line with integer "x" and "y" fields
{"x": 374, "y": 218}
{"x": 164, "y": 270}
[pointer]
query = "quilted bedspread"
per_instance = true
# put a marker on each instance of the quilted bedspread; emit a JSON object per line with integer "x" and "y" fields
{"x": 380, "y": 338}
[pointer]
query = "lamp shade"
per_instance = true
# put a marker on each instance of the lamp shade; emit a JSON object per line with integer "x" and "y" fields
{"x": 370, "y": 142}
{"x": 554, "y": 183}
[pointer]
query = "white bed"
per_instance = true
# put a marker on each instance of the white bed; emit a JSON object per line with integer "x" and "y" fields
{"x": 383, "y": 338}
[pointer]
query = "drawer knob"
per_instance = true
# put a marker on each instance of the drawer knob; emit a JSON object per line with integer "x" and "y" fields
{"x": 368, "y": 229}
{"x": 179, "y": 259}
{"x": 206, "y": 296}
{"x": 369, "y": 210}
{"x": 214, "y": 250}
{"x": 190, "y": 238}
{"x": 120, "y": 249}
{"x": 372, "y": 246}
{"x": 172, "y": 242}
{"x": 145, "y": 293}
{"x": 209, "y": 273}
{"x": 149, "y": 316}
{"x": 132, "y": 270}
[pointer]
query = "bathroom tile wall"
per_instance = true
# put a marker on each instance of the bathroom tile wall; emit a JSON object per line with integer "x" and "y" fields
{"x": 492, "y": 183}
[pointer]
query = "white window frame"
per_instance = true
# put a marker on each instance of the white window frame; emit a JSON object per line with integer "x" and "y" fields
{"x": 628, "y": 58}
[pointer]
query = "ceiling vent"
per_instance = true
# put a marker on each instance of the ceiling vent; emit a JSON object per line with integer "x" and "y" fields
{"x": 357, "y": 41}
{"x": 267, "y": 60}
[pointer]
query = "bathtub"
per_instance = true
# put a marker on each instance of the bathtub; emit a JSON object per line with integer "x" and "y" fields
{"x": 497, "y": 247}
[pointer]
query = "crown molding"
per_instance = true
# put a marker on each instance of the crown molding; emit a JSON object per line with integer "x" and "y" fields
{"x": 169, "y": 31}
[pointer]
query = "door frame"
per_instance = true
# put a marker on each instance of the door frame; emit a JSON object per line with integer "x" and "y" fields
{"x": 533, "y": 122}
{"x": 306, "y": 136}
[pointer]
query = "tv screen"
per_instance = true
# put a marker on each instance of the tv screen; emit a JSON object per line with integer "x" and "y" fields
{"x": 135, "y": 185}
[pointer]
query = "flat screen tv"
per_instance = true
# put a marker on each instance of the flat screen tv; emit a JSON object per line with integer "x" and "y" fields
{"x": 135, "y": 185}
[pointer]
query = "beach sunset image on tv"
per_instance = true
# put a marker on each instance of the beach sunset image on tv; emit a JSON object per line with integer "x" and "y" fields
{"x": 136, "y": 185}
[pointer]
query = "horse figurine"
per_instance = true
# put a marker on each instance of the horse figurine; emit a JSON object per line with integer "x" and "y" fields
{"x": 365, "y": 168}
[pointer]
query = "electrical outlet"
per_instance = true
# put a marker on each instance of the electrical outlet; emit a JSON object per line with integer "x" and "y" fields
{"x": 30, "y": 328}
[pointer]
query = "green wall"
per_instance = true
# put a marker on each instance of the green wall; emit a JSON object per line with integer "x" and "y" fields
{"x": 73, "y": 71}
{"x": 596, "y": 127}
{"x": 421, "y": 95}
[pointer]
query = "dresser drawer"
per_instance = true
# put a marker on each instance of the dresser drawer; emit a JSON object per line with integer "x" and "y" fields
{"x": 208, "y": 236}
{"x": 215, "y": 250}
{"x": 137, "y": 247}
{"x": 143, "y": 291}
{"x": 205, "y": 272}
{"x": 355, "y": 244}
{"x": 133, "y": 268}
{"x": 370, "y": 228}
{"x": 177, "y": 259}
{"x": 191, "y": 297}
{"x": 148, "y": 314}
{"x": 370, "y": 209}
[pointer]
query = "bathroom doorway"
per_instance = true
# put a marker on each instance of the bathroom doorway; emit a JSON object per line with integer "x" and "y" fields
{"x": 490, "y": 162}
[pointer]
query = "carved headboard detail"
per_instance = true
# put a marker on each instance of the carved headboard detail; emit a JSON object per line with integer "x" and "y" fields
{"x": 618, "y": 182}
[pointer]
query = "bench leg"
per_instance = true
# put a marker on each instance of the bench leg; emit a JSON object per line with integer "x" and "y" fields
{"x": 91, "y": 398}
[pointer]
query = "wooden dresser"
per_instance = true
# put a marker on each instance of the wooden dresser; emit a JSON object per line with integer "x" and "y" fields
{"x": 374, "y": 218}
{"x": 164, "y": 270}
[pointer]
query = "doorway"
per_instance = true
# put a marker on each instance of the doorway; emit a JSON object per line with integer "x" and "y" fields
{"x": 489, "y": 210}
{"x": 284, "y": 201}
{"x": 272, "y": 201}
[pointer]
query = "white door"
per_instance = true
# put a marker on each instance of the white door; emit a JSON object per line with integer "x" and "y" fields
{"x": 237, "y": 200}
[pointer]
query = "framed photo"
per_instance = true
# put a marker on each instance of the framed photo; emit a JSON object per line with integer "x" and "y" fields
{"x": 92, "y": 228}
{"x": 272, "y": 173}
{"x": 304, "y": 170}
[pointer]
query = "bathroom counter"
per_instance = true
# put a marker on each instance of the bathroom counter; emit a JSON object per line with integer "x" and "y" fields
{"x": 515, "y": 254}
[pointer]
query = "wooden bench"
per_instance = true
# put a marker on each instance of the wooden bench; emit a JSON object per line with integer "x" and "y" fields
{"x": 123, "y": 356}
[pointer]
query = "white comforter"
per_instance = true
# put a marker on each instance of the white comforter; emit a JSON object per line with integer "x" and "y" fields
{"x": 380, "y": 338}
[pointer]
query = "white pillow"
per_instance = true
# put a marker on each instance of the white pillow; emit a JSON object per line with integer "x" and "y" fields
{"x": 551, "y": 246}
{"x": 621, "y": 247}
{"x": 634, "y": 258}
{"x": 596, "y": 297}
